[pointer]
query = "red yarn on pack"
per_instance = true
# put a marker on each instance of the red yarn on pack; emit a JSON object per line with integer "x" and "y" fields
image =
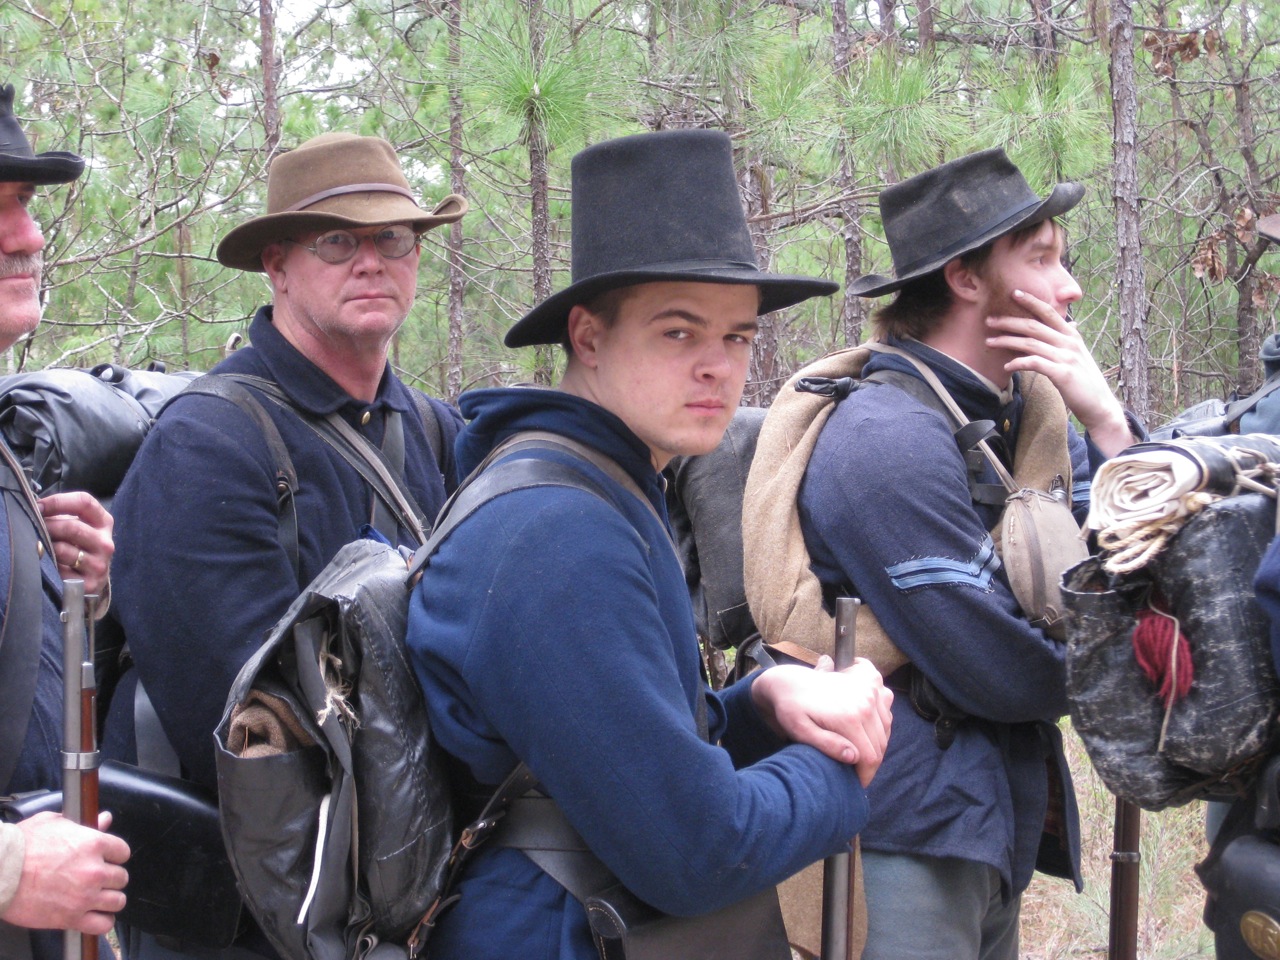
{"x": 1155, "y": 639}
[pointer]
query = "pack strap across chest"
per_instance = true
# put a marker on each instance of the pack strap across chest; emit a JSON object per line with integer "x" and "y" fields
{"x": 519, "y": 816}
{"x": 974, "y": 438}
{"x": 392, "y": 504}
{"x": 392, "y": 508}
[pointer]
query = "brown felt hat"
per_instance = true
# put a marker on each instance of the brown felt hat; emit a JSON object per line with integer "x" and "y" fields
{"x": 331, "y": 181}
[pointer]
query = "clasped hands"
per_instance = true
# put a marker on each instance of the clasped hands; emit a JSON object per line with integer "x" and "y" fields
{"x": 845, "y": 714}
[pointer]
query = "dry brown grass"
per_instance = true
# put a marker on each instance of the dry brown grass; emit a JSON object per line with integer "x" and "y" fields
{"x": 1059, "y": 925}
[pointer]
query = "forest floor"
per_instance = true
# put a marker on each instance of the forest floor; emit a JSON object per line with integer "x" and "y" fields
{"x": 1058, "y": 924}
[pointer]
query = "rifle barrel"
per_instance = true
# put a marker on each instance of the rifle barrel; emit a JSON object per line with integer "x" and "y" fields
{"x": 837, "y": 869}
{"x": 79, "y": 734}
{"x": 1126, "y": 863}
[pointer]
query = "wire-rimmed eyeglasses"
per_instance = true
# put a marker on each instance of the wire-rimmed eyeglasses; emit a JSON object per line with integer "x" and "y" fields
{"x": 339, "y": 246}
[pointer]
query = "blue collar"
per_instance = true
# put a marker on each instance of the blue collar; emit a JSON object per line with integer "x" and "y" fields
{"x": 306, "y": 384}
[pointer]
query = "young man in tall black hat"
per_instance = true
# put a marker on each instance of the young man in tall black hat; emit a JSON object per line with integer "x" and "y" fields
{"x": 960, "y": 818}
{"x": 554, "y": 626}
{"x": 340, "y": 243}
{"x": 54, "y": 874}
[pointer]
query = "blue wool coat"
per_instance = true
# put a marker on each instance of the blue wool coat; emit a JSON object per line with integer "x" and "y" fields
{"x": 39, "y": 764}
{"x": 555, "y": 628}
{"x": 886, "y": 512}
{"x": 200, "y": 576}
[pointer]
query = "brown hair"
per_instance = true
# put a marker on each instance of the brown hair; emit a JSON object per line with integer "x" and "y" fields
{"x": 922, "y": 303}
{"x": 604, "y": 306}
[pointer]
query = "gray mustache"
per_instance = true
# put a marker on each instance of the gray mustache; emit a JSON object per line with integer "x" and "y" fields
{"x": 13, "y": 265}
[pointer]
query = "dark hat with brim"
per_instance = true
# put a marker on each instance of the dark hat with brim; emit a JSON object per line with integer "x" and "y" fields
{"x": 1269, "y": 227}
{"x": 655, "y": 207}
{"x": 953, "y": 209}
{"x": 19, "y": 163}
{"x": 332, "y": 181}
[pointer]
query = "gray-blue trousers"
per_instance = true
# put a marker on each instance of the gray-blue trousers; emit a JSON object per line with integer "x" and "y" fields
{"x": 936, "y": 908}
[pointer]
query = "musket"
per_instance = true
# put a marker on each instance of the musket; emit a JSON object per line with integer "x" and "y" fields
{"x": 79, "y": 733}
{"x": 1126, "y": 861}
{"x": 838, "y": 869}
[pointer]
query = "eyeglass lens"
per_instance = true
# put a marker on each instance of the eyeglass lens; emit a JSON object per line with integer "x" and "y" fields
{"x": 339, "y": 246}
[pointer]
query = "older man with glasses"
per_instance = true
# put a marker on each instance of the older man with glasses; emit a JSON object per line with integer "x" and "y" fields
{"x": 207, "y": 559}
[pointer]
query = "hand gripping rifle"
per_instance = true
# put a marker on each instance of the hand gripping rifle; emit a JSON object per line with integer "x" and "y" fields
{"x": 838, "y": 869}
{"x": 79, "y": 732}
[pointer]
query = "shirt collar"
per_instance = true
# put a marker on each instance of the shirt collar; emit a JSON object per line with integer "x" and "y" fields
{"x": 938, "y": 358}
{"x": 306, "y": 384}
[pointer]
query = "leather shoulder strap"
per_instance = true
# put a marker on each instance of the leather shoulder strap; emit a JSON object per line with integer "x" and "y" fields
{"x": 969, "y": 434}
{"x": 491, "y": 480}
{"x": 1238, "y": 408}
{"x": 229, "y": 387}
{"x": 430, "y": 423}
{"x": 364, "y": 457}
{"x": 952, "y": 407}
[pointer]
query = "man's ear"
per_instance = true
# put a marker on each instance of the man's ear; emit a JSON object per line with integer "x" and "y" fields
{"x": 273, "y": 264}
{"x": 966, "y": 283}
{"x": 584, "y": 328}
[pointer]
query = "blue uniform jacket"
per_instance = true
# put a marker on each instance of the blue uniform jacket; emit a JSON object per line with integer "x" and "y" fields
{"x": 200, "y": 576}
{"x": 556, "y": 628}
{"x": 1267, "y": 587}
{"x": 885, "y": 510}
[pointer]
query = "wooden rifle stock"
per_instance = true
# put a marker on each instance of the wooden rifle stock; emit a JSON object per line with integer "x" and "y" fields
{"x": 79, "y": 733}
{"x": 838, "y": 869}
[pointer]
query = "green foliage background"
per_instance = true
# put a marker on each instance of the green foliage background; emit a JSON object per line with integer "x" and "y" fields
{"x": 167, "y": 102}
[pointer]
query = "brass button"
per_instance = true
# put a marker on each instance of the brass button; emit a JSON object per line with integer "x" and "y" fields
{"x": 1262, "y": 934}
{"x": 364, "y": 420}
{"x": 1006, "y": 426}
{"x": 40, "y": 549}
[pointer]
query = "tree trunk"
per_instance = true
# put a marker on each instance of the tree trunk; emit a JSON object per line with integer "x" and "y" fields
{"x": 1046, "y": 54}
{"x": 888, "y": 20}
{"x": 457, "y": 181}
{"x": 539, "y": 206}
{"x": 924, "y": 26}
{"x": 184, "y": 290}
{"x": 853, "y": 311}
{"x": 1248, "y": 334}
{"x": 766, "y": 375}
{"x": 270, "y": 77}
{"x": 1130, "y": 274}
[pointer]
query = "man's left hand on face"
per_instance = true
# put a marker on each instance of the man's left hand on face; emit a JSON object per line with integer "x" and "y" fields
{"x": 845, "y": 714}
{"x": 82, "y": 545}
{"x": 1048, "y": 344}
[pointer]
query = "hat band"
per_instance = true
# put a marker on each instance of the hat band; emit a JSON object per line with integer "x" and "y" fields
{"x": 349, "y": 188}
{"x": 947, "y": 252}
{"x": 678, "y": 266}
